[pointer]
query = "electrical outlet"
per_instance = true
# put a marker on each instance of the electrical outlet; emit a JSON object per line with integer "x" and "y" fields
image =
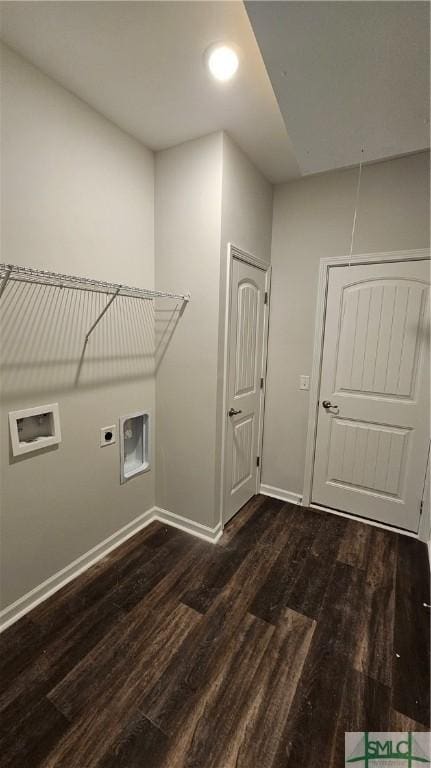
{"x": 304, "y": 382}
{"x": 108, "y": 435}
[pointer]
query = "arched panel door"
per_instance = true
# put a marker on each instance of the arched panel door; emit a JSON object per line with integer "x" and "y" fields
{"x": 244, "y": 384}
{"x": 373, "y": 425}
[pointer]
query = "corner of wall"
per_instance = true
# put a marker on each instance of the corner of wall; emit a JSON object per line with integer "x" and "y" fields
{"x": 188, "y": 235}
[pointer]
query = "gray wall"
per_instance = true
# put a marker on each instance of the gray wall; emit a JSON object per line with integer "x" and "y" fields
{"x": 208, "y": 193}
{"x": 77, "y": 197}
{"x": 188, "y": 218}
{"x": 246, "y": 205}
{"x": 313, "y": 219}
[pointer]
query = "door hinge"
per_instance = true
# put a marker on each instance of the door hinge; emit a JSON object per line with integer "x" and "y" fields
{"x": 266, "y": 298}
{"x": 261, "y": 383}
{"x": 257, "y": 461}
{"x": 421, "y": 507}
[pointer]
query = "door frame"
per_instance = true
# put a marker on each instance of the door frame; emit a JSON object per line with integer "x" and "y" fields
{"x": 420, "y": 254}
{"x": 233, "y": 252}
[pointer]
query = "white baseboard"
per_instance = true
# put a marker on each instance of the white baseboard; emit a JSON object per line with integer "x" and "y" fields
{"x": 184, "y": 524}
{"x": 280, "y": 493}
{"x": 58, "y": 580}
{"x": 31, "y": 599}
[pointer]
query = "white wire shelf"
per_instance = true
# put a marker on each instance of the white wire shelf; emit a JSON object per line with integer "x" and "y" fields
{"x": 12, "y": 272}
{"x": 43, "y": 277}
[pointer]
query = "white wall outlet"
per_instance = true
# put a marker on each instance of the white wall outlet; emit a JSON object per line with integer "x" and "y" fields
{"x": 304, "y": 382}
{"x": 108, "y": 435}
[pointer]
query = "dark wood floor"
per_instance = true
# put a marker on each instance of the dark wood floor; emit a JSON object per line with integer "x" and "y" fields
{"x": 259, "y": 652}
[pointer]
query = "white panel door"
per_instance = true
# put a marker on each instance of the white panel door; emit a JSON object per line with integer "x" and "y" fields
{"x": 244, "y": 384}
{"x": 373, "y": 424}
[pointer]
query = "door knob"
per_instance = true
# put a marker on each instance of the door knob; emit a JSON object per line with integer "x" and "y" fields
{"x": 233, "y": 412}
{"x": 327, "y": 405}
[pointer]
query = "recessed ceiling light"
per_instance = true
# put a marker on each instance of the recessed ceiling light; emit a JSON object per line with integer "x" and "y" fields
{"x": 222, "y": 61}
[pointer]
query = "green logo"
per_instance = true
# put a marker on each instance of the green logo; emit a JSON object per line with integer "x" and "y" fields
{"x": 370, "y": 750}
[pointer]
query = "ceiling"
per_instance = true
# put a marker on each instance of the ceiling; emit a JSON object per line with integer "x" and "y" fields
{"x": 351, "y": 78}
{"x": 141, "y": 65}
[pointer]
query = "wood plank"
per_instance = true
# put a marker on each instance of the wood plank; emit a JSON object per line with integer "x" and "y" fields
{"x": 375, "y": 555}
{"x": 331, "y": 699}
{"x": 411, "y": 662}
{"x": 93, "y": 735}
{"x": 140, "y": 745}
{"x": 93, "y": 582}
{"x": 20, "y": 645}
{"x": 108, "y": 665}
{"x": 259, "y": 651}
{"x": 72, "y": 640}
{"x": 354, "y": 544}
{"x": 381, "y": 557}
{"x": 372, "y": 651}
{"x": 400, "y": 722}
{"x": 256, "y": 740}
{"x": 294, "y": 581}
{"x": 56, "y": 658}
{"x": 242, "y": 517}
{"x": 105, "y": 576}
{"x": 307, "y": 591}
{"x": 203, "y": 653}
{"x": 29, "y": 733}
{"x": 216, "y": 570}
{"x": 219, "y": 709}
{"x": 114, "y": 649}
{"x": 358, "y": 622}
{"x": 221, "y": 566}
{"x": 369, "y": 549}
{"x": 329, "y": 536}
